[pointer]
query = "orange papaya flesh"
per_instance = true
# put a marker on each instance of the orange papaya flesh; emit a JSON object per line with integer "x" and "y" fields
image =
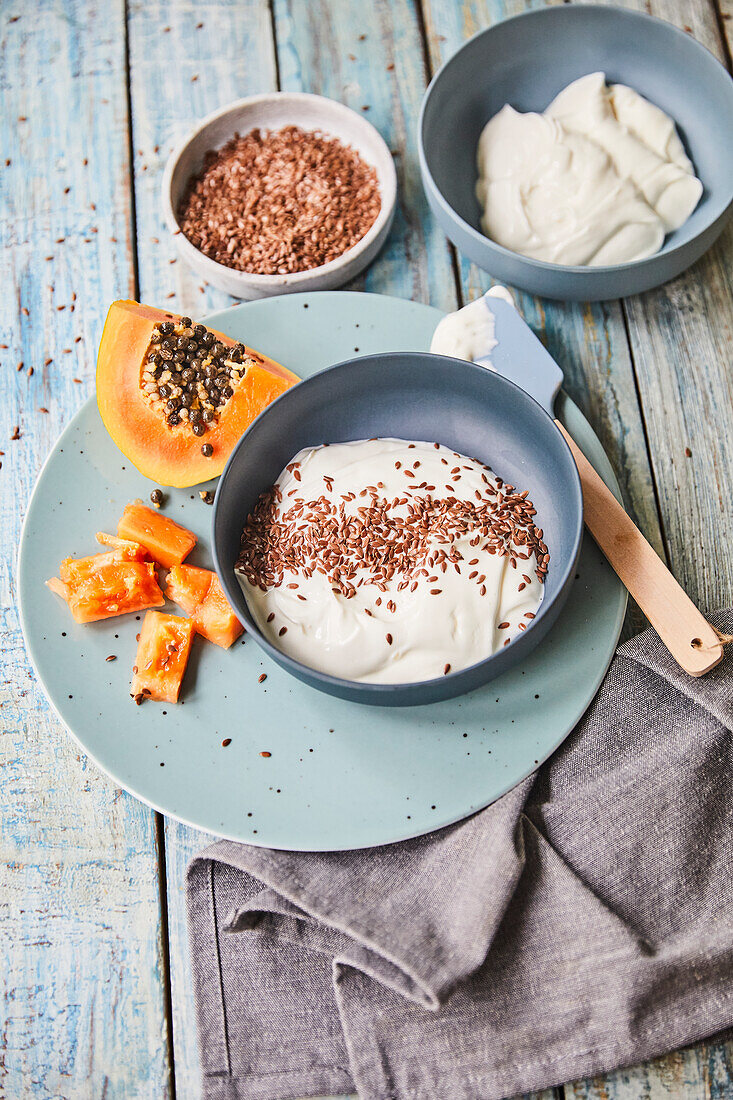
{"x": 199, "y": 593}
{"x": 74, "y": 570}
{"x": 187, "y": 586}
{"x": 162, "y": 656}
{"x": 113, "y": 588}
{"x": 166, "y": 541}
{"x": 172, "y": 455}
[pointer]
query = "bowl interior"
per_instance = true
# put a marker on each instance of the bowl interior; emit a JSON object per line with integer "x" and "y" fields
{"x": 412, "y": 396}
{"x": 526, "y": 61}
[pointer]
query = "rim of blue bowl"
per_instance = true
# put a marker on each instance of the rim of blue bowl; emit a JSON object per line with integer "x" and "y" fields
{"x": 546, "y": 265}
{"x": 232, "y": 587}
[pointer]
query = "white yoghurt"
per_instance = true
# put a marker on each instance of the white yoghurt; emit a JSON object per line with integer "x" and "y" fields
{"x": 416, "y": 625}
{"x": 468, "y": 333}
{"x": 599, "y": 178}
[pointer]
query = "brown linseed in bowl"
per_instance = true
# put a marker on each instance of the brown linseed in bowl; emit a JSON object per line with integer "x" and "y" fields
{"x": 278, "y": 202}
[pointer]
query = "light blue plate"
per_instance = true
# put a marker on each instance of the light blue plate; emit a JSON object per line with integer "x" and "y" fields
{"x": 340, "y": 775}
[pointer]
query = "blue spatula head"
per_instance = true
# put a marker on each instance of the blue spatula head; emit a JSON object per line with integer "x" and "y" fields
{"x": 520, "y": 356}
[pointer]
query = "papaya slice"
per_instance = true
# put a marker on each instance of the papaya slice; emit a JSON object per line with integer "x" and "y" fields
{"x": 162, "y": 656}
{"x": 175, "y": 396}
{"x": 166, "y": 541}
{"x": 75, "y": 570}
{"x": 107, "y": 587}
{"x": 199, "y": 593}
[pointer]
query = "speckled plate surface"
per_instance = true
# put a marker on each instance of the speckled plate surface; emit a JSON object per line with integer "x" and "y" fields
{"x": 340, "y": 775}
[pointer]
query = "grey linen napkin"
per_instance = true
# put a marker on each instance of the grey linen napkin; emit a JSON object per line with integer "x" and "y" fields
{"x": 582, "y": 922}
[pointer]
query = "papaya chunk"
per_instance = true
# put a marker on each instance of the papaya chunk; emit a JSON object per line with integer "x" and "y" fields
{"x": 74, "y": 570}
{"x": 162, "y": 656}
{"x": 150, "y": 424}
{"x": 199, "y": 593}
{"x": 166, "y": 541}
{"x": 110, "y": 588}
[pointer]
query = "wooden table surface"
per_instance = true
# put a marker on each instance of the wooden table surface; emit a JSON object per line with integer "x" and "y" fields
{"x": 93, "y": 955}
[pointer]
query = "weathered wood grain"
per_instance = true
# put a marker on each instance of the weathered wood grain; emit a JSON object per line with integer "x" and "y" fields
{"x": 370, "y": 57}
{"x": 680, "y": 342}
{"x": 82, "y": 991}
{"x": 222, "y": 52}
{"x": 185, "y": 61}
{"x": 587, "y": 339}
{"x": 602, "y": 380}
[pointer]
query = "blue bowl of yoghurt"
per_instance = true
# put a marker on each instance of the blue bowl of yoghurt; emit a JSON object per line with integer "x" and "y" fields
{"x": 576, "y": 152}
{"x": 400, "y": 528}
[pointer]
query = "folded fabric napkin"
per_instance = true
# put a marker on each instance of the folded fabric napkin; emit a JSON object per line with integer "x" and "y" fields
{"x": 582, "y": 922}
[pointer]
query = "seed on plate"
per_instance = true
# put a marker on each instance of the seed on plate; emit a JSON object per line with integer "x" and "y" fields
{"x": 157, "y": 497}
{"x": 206, "y": 450}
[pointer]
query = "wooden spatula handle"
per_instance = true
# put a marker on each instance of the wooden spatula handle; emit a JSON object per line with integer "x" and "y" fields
{"x": 688, "y": 636}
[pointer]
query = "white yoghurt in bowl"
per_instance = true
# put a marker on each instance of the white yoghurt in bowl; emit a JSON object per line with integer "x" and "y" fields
{"x": 599, "y": 178}
{"x": 387, "y": 561}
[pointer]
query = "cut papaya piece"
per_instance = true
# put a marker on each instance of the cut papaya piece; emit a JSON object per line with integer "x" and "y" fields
{"x": 160, "y": 419}
{"x": 166, "y": 541}
{"x": 132, "y": 551}
{"x": 187, "y": 586}
{"x": 74, "y": 570}
{"x": 199, "y": 593}
{"x": 112, "y": 588}
{"x": 162, "y": 656}
{"x": 214, "y": 618}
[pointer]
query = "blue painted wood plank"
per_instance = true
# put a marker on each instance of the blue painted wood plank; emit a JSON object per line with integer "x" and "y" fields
{"x": 223, "y": 51}
{"x": 588, "y": 340}
{"x": 680, "y": 341}
{"x": 80, "y": 965}
{"x": 371, "y": 57}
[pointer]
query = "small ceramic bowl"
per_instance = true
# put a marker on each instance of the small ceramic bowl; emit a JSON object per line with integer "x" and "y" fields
{"x": 526, "y": 61}
{"x": 410, "y": 395}
{"x": 272, "y": 111}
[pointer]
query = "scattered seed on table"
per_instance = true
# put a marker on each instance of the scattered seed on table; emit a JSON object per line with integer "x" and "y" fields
{"x": 112, "y": 657}
{"x": 16, "y": 432}
{"x": 48, "y": 362}
{"x": 20, "y": 365}
{"x": 261, "y": 678}
{"x": 225, "y": 742}
{"x": 42, "y": 409}
{"x": 265, "y": 754}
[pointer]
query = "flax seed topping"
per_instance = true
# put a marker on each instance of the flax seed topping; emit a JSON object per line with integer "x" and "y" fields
{"x": 364, "y": 546}
{"x": 276, "y": 202}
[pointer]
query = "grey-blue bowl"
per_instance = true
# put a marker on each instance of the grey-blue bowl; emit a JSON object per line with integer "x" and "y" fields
{"x": 413, "y": 396}
{"x": 526, "y": 61}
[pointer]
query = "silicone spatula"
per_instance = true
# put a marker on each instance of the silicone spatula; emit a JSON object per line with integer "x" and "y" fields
{"x": 689, "y": 637}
